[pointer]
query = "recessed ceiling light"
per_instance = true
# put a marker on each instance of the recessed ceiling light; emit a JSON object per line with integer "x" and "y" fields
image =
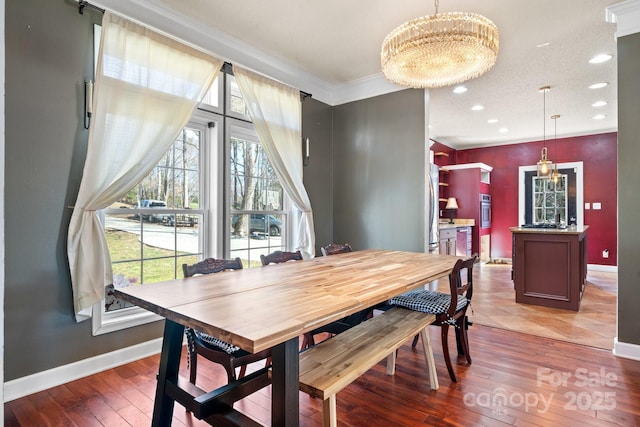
{"x": 491, "y": 121}
{"x": 598, "y": 85}
{"x": 460, "y": 89}
{"x": 545, "y": 44}
{"x": 603, "y": 57}
{"x": 599, "y": 117}
{"x": 504, "y": 130}
{"x": 599, "y": 104}
{"x": 477, "y": 107}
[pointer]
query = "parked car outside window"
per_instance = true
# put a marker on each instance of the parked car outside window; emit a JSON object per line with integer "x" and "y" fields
{"x": 261, "y": 223}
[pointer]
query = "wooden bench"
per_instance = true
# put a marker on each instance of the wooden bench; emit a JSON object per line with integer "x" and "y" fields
{"x": 335, "y": 363}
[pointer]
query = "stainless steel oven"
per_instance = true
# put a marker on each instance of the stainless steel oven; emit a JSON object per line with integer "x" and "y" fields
{"x": 485, "y": 211}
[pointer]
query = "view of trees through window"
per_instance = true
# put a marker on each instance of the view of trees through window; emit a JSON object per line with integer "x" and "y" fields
{"x": 155, "y": 227}
{"x": 256, "y": 202}
{"x": 159, "y": 224}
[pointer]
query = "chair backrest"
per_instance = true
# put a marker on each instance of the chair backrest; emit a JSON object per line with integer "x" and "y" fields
{"x": 211, "y": 265}
{"x": 278, "y": 257}
{"x": 335, "y": 248}
{"x": 461, "y": 285}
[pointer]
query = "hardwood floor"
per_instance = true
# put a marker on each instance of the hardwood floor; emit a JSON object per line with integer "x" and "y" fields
{"x": 594, "y": 325}
{"x": 518, "y": 379}
{"x": 515, "y": 379}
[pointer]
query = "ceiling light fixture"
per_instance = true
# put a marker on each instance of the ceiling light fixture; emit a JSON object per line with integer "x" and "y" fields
{"x": 439, "y": 50}
{"x": 491, "y": 121}
{"x": 460, "y": 89}
{"x": 599, "y": 104}
{"x": 477, "y": 107}
{"x": 598, "y": 59}
{"x": 555, "y": 176}
{"x": 545, "y": 165}
{"x": 598, "y": 85}
{"x": 599, "y": 117}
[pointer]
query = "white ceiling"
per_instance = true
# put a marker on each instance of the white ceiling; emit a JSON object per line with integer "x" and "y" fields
{"x": 331, "y": 48}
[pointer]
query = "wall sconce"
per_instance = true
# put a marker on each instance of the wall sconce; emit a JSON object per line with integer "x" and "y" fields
{"x": 452, "y": 204}
{"x": 88, "y": 103}
{"x": 305, "y": 151}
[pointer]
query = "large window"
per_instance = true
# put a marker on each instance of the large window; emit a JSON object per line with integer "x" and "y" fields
{"x": 180, "y": 212}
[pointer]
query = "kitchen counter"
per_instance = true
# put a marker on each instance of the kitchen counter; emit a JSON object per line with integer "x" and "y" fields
{"x": 458, "y": 222}
{"x": 569, "y": 230}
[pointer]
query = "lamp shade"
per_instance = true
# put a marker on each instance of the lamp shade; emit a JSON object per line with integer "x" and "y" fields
{"x": 452, "y": 203}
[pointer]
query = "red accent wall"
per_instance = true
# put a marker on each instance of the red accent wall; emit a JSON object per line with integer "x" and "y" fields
{"x": 599, "y": 155}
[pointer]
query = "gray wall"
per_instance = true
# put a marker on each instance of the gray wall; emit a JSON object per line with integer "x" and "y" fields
{"x": 628, "y": 196}
{"x": 379, "y": 172}
{"x": 318, "y": 174}
{"x": 49, "y": 53}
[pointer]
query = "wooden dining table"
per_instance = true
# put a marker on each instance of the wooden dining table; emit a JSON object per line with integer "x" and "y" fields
{"x": 270, "y": 307}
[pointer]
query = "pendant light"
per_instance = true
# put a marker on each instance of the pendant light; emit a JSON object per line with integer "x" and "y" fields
{"x": 544, "y": 166}
{"x": 555, "y": 176}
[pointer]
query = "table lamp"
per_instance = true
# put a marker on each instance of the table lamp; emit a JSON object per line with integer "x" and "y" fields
{"x": 452, "y": 205}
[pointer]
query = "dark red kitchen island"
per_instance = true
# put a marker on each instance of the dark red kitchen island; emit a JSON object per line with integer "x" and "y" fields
{"x": 550, "y": 266}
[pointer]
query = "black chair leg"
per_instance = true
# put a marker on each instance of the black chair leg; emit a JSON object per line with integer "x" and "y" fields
{"x": 415, "y": 341}
{"x": 445, "y": 351}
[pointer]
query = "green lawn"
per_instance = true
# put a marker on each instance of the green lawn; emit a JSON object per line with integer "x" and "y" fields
{"x": 126, "y": 246}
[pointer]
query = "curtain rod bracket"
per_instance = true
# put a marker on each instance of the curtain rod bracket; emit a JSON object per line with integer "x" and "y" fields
{"x": 82, "y": 4}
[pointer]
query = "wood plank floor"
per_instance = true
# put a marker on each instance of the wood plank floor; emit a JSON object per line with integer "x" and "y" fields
{"x": 516, "y": 379}
{"x": 594, "y": 325}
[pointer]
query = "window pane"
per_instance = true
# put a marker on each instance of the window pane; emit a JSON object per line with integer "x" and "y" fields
{"x": 549, "y": 200}
{"x": 256, "y": 199}
{"x": 156, "y": 226}
{"x": 237, "y": 101}
{"x": 212, "y": 96}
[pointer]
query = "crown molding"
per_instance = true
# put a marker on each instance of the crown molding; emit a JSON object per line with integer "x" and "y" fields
{"x": 626, "y": 15}
{"x": 366, "y": 87}
{"x": 213, "y": 41}
{"x": 221, "y": 45}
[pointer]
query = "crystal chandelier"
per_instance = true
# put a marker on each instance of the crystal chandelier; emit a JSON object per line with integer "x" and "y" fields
{"x": 440, "y": 50}
{"x": 544, "y": 166}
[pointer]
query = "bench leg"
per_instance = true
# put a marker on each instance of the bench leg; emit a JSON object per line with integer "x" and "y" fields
{"x": 391, "y": 363}
{"x": 329, "y": 414}
{"x": 428, "y": 356}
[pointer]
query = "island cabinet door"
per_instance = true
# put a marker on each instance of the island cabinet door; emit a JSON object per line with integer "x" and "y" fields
{"x": 547, "y": 270}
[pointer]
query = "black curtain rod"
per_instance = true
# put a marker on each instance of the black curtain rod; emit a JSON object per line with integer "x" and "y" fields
{"x": 82, "y": 4}
{"x": 227, "y": 67}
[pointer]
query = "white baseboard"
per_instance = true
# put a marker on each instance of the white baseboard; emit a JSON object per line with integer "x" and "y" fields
{"x": 30, "y": 384}
{"x": 626, "y": 350}
{"x": 606, "y": 268}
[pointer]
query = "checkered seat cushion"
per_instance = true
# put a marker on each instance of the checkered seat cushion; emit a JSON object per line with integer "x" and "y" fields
{"x": 215, "y": 343}
{"x": 427, "y": 301}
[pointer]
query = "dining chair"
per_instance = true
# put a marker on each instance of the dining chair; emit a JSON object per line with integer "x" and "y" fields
{"x": 450, "y": 308}
{"x": 339, "y": 326}
{"x": 278, "y": 257}
{"x": 211, "y": 348}
{"x": 335, "y": 248}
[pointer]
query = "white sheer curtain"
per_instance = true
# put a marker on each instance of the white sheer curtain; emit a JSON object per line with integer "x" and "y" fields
{"x": 277, "y": 115}
{"x": 147, "y": 87}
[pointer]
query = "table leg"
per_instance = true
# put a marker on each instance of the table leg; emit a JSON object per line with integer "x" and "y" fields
{"x": 284, "y": 384}
{"x": 169, "y": 366}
